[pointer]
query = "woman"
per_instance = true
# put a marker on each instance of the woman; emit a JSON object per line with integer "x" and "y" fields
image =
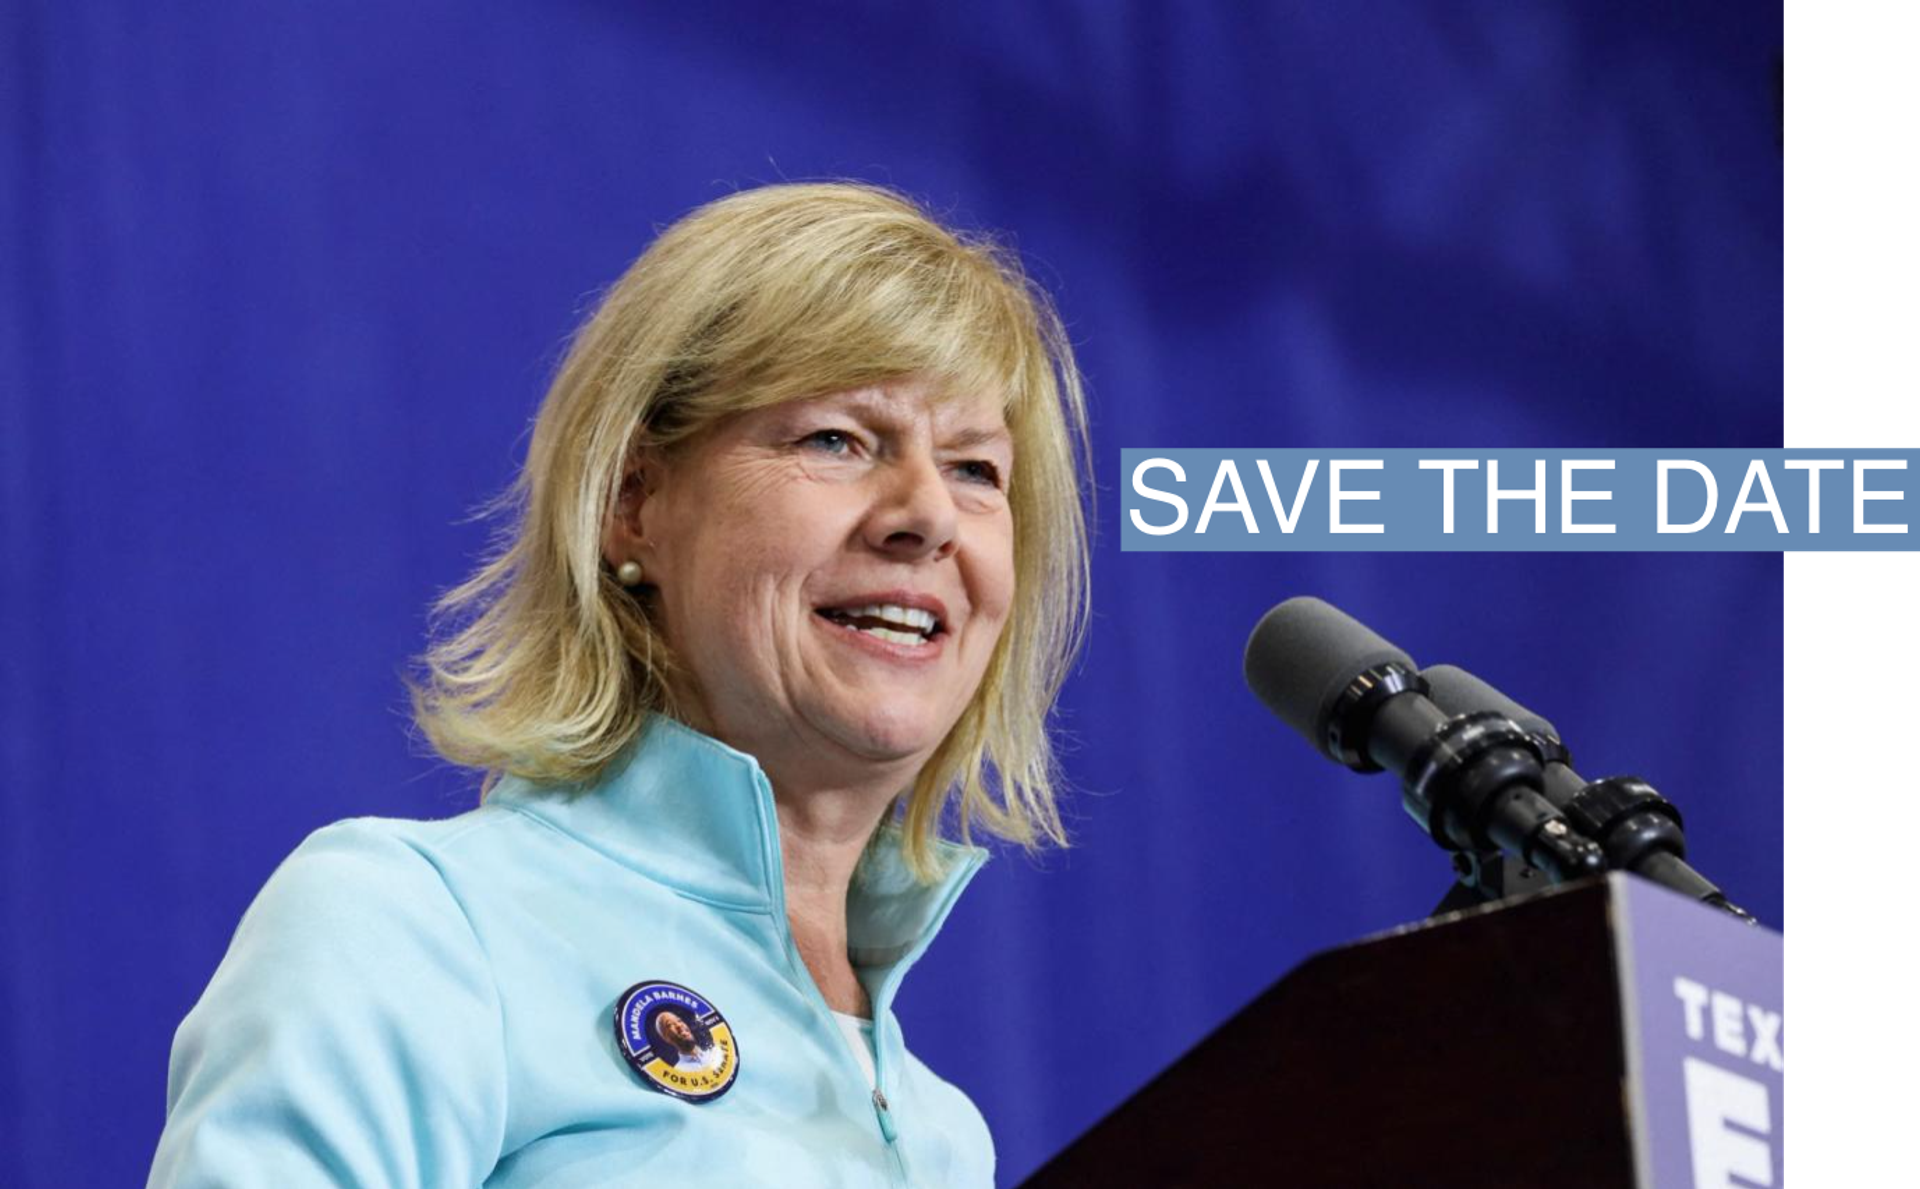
{"x": 798, "y": 563}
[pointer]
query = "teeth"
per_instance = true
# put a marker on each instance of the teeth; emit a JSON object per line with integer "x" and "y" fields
{"x": 911, "y": 618}
{"x": 907, "y": 626}
{"x": 912, "y": 639}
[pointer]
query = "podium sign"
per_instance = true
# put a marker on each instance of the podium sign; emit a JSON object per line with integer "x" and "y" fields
{"x": 1607, "y": 1034}
{"x": 1707, "y": 1049}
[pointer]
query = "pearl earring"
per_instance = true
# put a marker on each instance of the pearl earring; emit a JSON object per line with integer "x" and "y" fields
{"x": 629, "y": 573}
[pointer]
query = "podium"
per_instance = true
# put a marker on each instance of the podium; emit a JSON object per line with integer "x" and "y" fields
{"x": 1607, "y": 1034}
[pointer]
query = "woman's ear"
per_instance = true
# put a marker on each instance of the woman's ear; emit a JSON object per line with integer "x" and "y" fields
{"x": 624, "y": 535}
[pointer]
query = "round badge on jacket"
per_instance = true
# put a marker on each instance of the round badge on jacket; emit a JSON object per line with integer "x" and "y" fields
{"x": 676, "y": 1040}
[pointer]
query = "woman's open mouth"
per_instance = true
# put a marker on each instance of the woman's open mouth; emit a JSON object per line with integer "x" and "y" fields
{"x": 906, "y": 626}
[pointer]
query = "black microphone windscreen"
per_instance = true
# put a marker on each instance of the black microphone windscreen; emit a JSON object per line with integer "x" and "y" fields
{"x": 1458, "y": 692}
{"x": 1300, "y": 657}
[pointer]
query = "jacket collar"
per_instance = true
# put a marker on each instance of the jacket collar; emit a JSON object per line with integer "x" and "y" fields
{"x": 689, "y": 812}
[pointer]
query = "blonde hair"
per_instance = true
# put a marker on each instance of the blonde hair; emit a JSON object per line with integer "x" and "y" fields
{"x": 545, "y": 668}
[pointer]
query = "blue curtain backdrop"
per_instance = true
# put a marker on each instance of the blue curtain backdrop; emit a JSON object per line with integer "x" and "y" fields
{"x": 283, "y": 284}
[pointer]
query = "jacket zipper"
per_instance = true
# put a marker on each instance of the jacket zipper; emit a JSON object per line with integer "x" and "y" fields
{"x": 797, "y": 968}
{"x": 882, "y": 1004}
{"x": 882, "y": 1110}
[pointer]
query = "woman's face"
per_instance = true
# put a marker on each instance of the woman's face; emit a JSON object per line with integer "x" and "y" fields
{"x": 675, "y": 1030}
{"x": 834, "y": 573}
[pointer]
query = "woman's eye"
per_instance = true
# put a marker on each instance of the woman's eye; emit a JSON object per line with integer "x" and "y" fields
{"x": 979, "y": 470}
{"x": 832, "y": 441}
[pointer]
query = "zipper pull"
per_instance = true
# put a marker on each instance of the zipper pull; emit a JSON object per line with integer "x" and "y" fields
{"x": 885, "y": 1116}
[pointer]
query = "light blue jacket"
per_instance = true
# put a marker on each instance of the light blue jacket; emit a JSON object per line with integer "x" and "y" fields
{"x": 431, "y": 1003}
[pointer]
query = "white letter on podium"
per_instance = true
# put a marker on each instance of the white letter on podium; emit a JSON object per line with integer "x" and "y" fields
{"x": 1716, "y": 1098}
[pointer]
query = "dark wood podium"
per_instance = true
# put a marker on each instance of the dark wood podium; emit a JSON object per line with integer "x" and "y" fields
{"x": 1536, "y": 1044}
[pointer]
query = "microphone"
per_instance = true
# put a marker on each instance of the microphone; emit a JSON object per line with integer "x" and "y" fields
{"x": 1640, "y": 830}
{"x": 1457, "y": 692}
{"x": 1474, "y": 782}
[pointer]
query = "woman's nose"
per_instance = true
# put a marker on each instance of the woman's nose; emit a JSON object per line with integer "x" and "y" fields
{"x": 914, "y": 514}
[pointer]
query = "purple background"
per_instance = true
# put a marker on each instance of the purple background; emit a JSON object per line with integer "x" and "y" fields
{"x": 282, "y": 289}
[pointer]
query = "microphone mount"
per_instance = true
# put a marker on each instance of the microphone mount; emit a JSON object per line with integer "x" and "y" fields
{"x": 1638, "y": 829}
{"x": 1474, "y": 783}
